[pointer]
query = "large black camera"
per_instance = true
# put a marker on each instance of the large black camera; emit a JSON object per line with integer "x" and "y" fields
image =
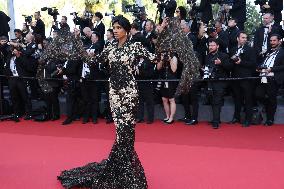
{"x": 135, "y": 9}
{"x": 28, "y": 19}
{"x": 51, "y": 11}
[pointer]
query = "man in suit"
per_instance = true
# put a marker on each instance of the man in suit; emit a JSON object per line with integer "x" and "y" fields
{"x": 110, "y": 37}
{"x": 136, "y": 35}
{"x": 263, "y": 33}
{"x": 238, "y": 11}
{"x": 244, "y": 61}
{"x": 99, "y": 26}
{"x": 38, "y": 26}
{"x": 17, "y": 66}
{"x": 267, "y": 89}
{"x": 150, "y": 35}
{"x": 219, "y": 65}
{"x": 233, "y": 32}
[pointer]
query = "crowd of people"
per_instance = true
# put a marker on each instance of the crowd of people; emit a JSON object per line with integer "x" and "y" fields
{"x": 222, "y": 47}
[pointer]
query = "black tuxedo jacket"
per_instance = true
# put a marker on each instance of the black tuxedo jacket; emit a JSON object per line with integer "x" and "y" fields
{"x": 100, "y": 29}
{"x": 22, "y": 66}
{"x": 39, "y": 28}
{"x": 205, "y": 8}
{"x": 248, "y": 62}
{"x": 278, "y": 67}
{"x": 259, "y": 37}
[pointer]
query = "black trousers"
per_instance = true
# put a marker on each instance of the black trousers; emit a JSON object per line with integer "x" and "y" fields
{"x": 266, "y": 93}
{"x": 52, "y": 102}
{"x": 146, "y": 96}
{"x": 19, "y": 94}
{"x": 104, "y": 87}
{"x": 243, "y": 94}
{"x": 191, "y": 99}
{"x": 72, "y": 98}
{"x": 89, "y": 93}
{"x": 218, "y": 91}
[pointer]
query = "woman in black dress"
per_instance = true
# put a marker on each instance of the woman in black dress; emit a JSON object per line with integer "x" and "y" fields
{"x": 122, "y": 169}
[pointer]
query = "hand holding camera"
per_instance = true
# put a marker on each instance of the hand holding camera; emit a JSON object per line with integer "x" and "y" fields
{"x": 217, "y": 61}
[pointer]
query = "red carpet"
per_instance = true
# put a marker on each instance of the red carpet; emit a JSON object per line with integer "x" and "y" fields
{"x": 174, "y": 157}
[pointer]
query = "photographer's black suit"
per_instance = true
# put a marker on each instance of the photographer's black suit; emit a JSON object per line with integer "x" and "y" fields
{"x": 238, "y": 12}
{"x": 267, "y": 92}
{"x": 218, "y": 87}
{"x": 259, "y": 37}
{"x": 276, "y": 7}
{"x": 18, "y": 86}
{"x": 29, "y": 52}
{"x": 90, "y": 91}
{"x": 149, "y": 43}
{"x": 73, "y": 70}
{"x": 243, "y": 89}
{"x": 39, "y": 28}
{"x": 146, "y": 90}
{"x": 51, "y": 99}
{"x": 233, "y": 34}
{"x": 100, "y": 29}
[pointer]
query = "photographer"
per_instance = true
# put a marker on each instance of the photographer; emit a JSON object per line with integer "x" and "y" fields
{"x": 217, "y": 65}
{"x": 52, "y": 70}
{"x": 145, "y": 71}
{"x": 150, "y": 35}
{"x": 83, "y": 21}
{"x": 17, "y": 66}
{"x": 167, "y": 66}
{"x": 99, "y": 26}
{"x": 166, "y": 8}
{"x": 4, "y": 52}
{"x": 262, "y": 35}
{"x": 90, "y": 90}
{"x": 63, "y": 24}
{"x": 238, "y": 11}
{"x": 136, "y": 35}
{"x": 4, "y": 23}
{"x": 86, "y": 38}
{"x": 232, "y": 32}
{"x": 38, "y": 26}
{"x": 244, "y": 61}
{"x": 272, "y": 72}
{"x": 110, "y": 38}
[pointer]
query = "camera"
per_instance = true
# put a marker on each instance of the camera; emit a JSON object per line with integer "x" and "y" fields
{"x": 235, "y": 58}
{"x": 74, "y": 14}
{"x": 28, "y": 19}
{"x": 88, "y": 14}
{"x": 112, "y": 13}
{"x": 135, "y": 9}
{"x": 51, "y": 11}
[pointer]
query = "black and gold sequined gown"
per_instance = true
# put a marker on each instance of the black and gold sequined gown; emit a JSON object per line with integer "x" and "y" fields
{"x": 122, "y": 169}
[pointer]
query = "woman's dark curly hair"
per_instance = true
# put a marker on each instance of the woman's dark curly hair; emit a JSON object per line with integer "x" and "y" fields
{"x": 182, "y": 11}
{"x": 123, "y": 22}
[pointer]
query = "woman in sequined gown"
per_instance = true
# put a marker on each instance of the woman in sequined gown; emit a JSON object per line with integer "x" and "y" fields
{"x": 122, "y": 169}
